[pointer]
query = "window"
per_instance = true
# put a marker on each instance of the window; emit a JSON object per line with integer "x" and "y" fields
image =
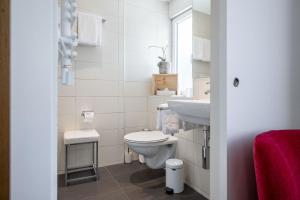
{"x": 182, "y": 52}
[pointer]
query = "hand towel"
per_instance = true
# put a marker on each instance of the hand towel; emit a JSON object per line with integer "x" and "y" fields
{"x": 170, "y": 122}
{"x": 207, "y": 49}
{"x": 89, "y": 28}
{"x": 160, "y": 110}
{"x": 201, "y": 49}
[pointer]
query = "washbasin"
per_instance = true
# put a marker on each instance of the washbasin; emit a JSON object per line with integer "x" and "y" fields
{"x": 194, "y": 111}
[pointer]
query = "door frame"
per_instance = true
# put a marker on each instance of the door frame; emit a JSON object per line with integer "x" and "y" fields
{"x": 218, "y": 70}
{"x": 4, "y": 98}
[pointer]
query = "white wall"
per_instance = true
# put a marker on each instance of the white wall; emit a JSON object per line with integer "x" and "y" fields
{"x": 263, "y": 51}
{"x": 33, "y": 100}
{"x": 99, "y": 87}
{"x": 146, "y": 23}
{"x": 116, "y": 88}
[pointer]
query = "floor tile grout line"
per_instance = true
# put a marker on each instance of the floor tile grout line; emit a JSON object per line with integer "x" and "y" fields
{"x": 116, "y": 181}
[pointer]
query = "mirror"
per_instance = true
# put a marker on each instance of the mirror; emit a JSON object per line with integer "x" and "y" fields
{"x": 201, "y": 48}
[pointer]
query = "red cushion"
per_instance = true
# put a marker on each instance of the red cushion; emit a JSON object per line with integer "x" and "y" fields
{"x": 277, "y": 165}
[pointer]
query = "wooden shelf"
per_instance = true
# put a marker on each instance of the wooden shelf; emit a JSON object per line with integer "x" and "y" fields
{"x": 163, "y": 81}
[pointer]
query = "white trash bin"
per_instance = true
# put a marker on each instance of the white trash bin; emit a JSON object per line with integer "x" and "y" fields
{"x": 174, "y": 176}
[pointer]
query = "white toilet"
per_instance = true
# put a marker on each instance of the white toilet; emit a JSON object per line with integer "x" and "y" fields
{"x": 155, "y": 146}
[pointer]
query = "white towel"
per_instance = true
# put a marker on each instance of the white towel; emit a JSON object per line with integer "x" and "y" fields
{"x": 201, "y": 49}
{"x": 89, "y": 29}
{"x": 170, "y": 122}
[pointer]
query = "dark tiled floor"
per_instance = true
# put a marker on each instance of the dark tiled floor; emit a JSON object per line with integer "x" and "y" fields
{"x": 124, "y": 182}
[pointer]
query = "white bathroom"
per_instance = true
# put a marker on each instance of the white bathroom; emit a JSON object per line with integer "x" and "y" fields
{"x": 149, "y": 99}
{"x": 115, "y": 88}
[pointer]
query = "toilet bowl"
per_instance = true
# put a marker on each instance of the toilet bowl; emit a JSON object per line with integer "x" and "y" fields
{"x": 155, "y": 146}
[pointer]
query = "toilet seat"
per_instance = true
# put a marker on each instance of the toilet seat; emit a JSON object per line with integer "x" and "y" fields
{"x": 146, "y": 137}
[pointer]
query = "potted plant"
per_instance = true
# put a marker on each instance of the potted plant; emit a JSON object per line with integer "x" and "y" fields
{"x": 163, "y": 64}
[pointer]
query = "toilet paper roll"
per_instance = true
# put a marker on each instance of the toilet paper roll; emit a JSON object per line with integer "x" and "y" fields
{"x": 88, "y": 116}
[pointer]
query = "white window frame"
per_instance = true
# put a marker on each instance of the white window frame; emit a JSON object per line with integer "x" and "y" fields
{"x": 175, "y": 21}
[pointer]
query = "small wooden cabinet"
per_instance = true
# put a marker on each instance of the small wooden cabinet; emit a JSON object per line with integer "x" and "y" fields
{"x": 163, "y": 81}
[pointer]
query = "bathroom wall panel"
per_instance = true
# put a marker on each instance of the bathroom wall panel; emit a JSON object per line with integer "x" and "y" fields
{"x": 107, "y": 53}
{"x": 137, "y": 89}
{"x": 135, "y": 104}
{"x": 103, "y": 7}
{"x": 66, "y": 90}
{"x": 145, "y": 23}
{"x": 99, "y": 105}
{"x": 66, "y": 105}
{"x": 136, "y": 119}
{"x": 98, "y": 70}
{"x": 112, "y": 137}
{"x": 189, "y": 149}
{"x": 99, "y": 73}
{"x": 66, "y": 122}
{"x": 97, "y": 88}
{"x": 103, "y": 122}
{"x": 109, "y": 155}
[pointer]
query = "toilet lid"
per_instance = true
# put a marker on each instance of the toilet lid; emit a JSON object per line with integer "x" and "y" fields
{"x": 146, "y": 137}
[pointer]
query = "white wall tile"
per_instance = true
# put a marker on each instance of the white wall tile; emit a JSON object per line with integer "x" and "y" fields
{"x": 66, "y": 105}
{"x": 66, "y": 122}
{"x": 135, "y": 89}
{"x": 112, "y": 137}
{"x": 99, "y": 105}
{"x": 107, "y": 53}
{"x": 101, "y": 7}
{"x": 155, "y": 101}
{"x": 152, "y": 120}
{"x": 133, "y": 129}
{"x": 135, "y": 104}
{"x": 92, "y": 88}
{"x": 202, "y": 180}
{"x": 66, "y": 90}
{"x": 189, "y": 149}
{"x": 189, "y": 173}
{"x": 187, "y": 135}
{"x": 103, "y": 122}
{"x": 136, "y": 119}
{"x": 109, "y": 155}
{"x": 100, "y": 71}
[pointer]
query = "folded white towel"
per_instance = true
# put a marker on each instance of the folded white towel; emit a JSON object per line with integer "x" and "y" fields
{"x": 201, "y": 49}
{"x": 89, "y": 29}
{"x": 206, "y": 56}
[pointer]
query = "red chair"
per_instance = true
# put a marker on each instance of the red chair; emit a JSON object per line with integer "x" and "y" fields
{"x": 277, "y": 165}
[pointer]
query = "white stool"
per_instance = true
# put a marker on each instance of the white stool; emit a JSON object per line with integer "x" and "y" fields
{"x": 77, "y": 138}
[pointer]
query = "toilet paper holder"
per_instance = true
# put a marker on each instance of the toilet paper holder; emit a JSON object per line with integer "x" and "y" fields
{"x": 88, "y": 115}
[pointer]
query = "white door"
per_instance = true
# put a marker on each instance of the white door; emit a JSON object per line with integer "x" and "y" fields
{"x": 262, "y": 51}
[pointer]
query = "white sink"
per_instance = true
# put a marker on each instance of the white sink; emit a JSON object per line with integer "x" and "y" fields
{"x": 194, "y": 111}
